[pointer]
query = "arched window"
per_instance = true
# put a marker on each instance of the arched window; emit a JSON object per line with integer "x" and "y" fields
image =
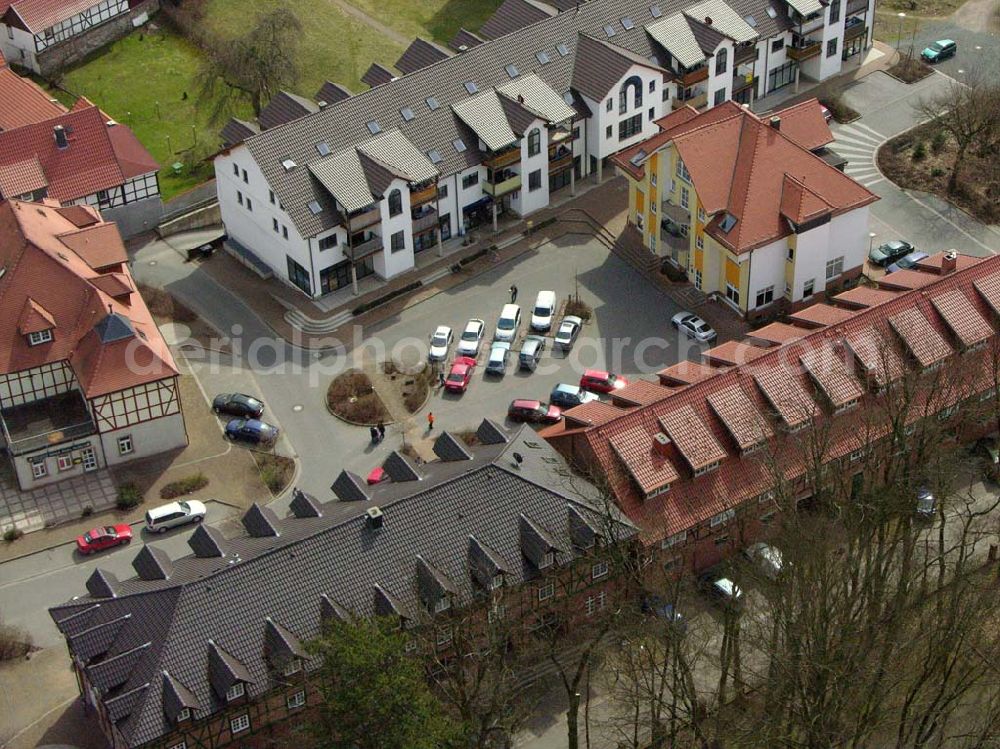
{"x": 395, "y": 203}
{"x": 635, "y": 83}
{"x": 720, "y": 61}
{"x": 534, "y": 142}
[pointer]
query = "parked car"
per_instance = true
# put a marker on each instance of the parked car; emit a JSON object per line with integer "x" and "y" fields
{"x": 939, "y": 50}
{"x": 497, "y": 363}
{"x": 889, "y": 252}
{"x": 926, "y": 503}
{"x": 767, "y": 558}
{"x": 827, "y": 114}
{"x": 598, "y": 381}
{"x": 724, "y": 590}
{"x": 238, "y": 404}
{"x": 569, "y": 396}
{"x": 905, "y": 263}
{"x": 105, "y": 537}
{"x": 163, "y": 518}
{"x": 662, "y": 609}
{"x": 988, "y": 451}
{"x": 440, "y": 343}
{"x": 254, "y": 431}
{"x": 531, "y": 352}
{"x": 472, "y": 336}
{"x": 460, "y": 375}
{"x": 544, "y": 309}
{"x": 569, "y": 329}
{"x": 693, "y": 327}
{"x": 508, "y": 323}
{"x": 534, "y": 412}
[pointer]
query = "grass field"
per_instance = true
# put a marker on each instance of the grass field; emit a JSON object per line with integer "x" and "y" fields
{"x": 431, "y": 19}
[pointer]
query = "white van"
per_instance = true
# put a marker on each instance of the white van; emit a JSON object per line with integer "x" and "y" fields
{"x": 163, "y": 518}
{"x": 545, "y": 308}
{"x": 508, "y": 323}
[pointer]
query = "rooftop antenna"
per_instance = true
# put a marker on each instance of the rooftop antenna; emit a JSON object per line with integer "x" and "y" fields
{"x": 518, "y": 460}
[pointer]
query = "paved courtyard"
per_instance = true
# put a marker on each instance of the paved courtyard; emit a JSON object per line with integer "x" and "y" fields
{"x": 32, "y": 510}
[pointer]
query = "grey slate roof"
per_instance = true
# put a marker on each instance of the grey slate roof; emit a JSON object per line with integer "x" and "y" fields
{"x": 485, "y": 562}
{"x": 349, "y": 487}
{"x": 606, "y": 64}
{"x": 327, "y": 566}
{"x": 536, "y": 541}
{"x": 709, "y": 37}
{"x": 377, "y": 74}
{"x": 484, "y": 114}
{"x": 207, "y": 541}
{"x": 97, "y": 640}
{"x": 152, "y": 563}
{"x": 236, "y": 131}
{"x": 491, "y": 433}
{"x": 448, "y": 447}
{"x": 260, "y": 522}
{"x": 280, "y": 645}
{"x": 433, "y": 584}
{"x": 114, "y": 327}
{"x": 512, "y": 15}
{"x": 420, "y": 54}
{"x": 399, "y": 468}
{"x": 465, "y": 38}
{"x": 102, "y": 584}
{"x": 285, "y": 107}
{"x": 331, "y": 93}
{"x": 177, "y": 697}
{"x": 304, "y": 505}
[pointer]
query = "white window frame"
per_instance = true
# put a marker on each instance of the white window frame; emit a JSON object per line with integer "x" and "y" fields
{"x": 722, "y": 518}
{"x": 602, "y": 599}
{"x": 239, "y": 723}
{"x": 236, "y": 691}
{"x": 707, "y": 469}
{"x": 39, "y": 337}
{"x": 292, "y": 667}
{"x": 674, "y": 540}
{"x": 762, "y": 294}
{"x": 296, "y": 700}
{"x": 179, "y": 744}
{"x": 598, "y": 570}
{"x": 699, "y": 242}
{"x": 547, "y": 560}
{"x": 685, "y": 198}
{"x": 184, "y": 714}
{"x": 442, "y": 604}
{"x": 64, "y": 462}
{"x": 546, "y": 591}
{"x": 590, "y": 606}
{"x": 39, "y": 469}
{"x": 125, "y": 445}
{"x": 834, "y": 267}
{"x": 733, "y": 294}
{"x": 496, "y": 581}
{"x": 811, "y": 285}
{"x": 682, "y": 171}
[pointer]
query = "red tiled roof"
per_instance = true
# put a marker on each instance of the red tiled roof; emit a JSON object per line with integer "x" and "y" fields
{"x": 100, "y": 245}
{"x": 830, "y": 372}
{"x": 865, "y": 296}
{"x": 799, "y": 204}
{"x": 623, "y": 448}
{"x": 925, "y": 343}
{"x": 592, "y": 413}
{"x": 114, "y": 284}
{"x": 34, "y": 318}
{"x": 48, "y": 277}
{"x": 804, "y": 124}
{"x": 98, "y": 157}
{"x": 38, "y": 15}
{"x": 685, "y": 373}
{"x": 21, "y": 177}
{"x": 906, "y": 279}
{"x": 738, "y": 412}
{"x": 962, "y": 317}
{"x": 639, "y": 393}
{"x": 820, "y": 315}
{"x": 778, "y": 333}
{"x": 694, "y": 440}
{"x": 732, "y": 352}
{"x": 935, "y": 261}
{"x": 24, "y": 102}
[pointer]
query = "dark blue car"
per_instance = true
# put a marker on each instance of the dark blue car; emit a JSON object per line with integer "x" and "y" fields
{"x": 254, "y": 431}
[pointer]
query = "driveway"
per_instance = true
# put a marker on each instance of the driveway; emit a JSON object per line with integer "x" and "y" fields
{"x": 975, "y": 27}
{"x": 929, "y": 223}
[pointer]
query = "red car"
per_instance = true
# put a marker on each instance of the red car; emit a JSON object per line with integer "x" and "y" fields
{"x": 100, "y": 539}
{"x": 534, "y": 411}
{"x": 597, "y": 381}
{"x": 460, "y": 374}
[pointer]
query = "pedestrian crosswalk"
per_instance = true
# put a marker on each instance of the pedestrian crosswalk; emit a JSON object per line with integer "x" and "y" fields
{"x": 858, "y": 143}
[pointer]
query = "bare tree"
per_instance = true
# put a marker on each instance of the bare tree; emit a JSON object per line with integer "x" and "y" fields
{"x": 252, "y": 68}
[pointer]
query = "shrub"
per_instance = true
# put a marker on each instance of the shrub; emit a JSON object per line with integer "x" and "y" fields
{"x": 937, "y": 172}
{"x": 577, "y": 307}
{"x": 919, "y": 152}
{"x": 129, "y": 496}
{"x": 183, "y": 486}
{"x": 12, "y": 534}
{"x": 87, "y": 512}
{"x": 351, "y": 397}
{"x": 275, "y": 471}
{"x": 14, "y": 642}
{"x": 938, "y": 141}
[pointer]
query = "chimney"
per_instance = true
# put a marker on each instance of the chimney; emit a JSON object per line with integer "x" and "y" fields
{"x": 375, "y": 518}
{"x": 60, "y": 135}
{"x": 708, "y": 20}
{"x": 463, "y": 48}
{"x": 321, "y": 104}
{"x": 661, "y": 445}
{"x": 949, "y": 262}
{"x": 775, "y": 122}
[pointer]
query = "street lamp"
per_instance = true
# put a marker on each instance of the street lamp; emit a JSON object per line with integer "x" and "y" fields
{"x": 871, "y": 241}
{"x": 902, "y": 17}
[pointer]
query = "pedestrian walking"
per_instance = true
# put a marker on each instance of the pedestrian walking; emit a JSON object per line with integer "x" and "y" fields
{"x": 381, "y": 431}
{"x": 374, "y": 433}
{"x": 430, "y": 421}
{"x": 513, "y": 293}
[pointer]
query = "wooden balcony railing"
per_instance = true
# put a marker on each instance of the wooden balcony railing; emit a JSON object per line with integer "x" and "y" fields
{"x": 364, "y": 249}
{"x": 854, "y": 31}
{"x": 423, "y": 195}
{"x": 366, "y": 218}
{"x": 745, "y": 54}
{"x": 563, "y": 162}
{"x": 502, "y": 188}
{"x": 428, "y": 220}
{"x": 694, "y": 76}
{"x": 513, "y": 156}
{"x": 695, "y": 101}
{"x": 804, "y": 52}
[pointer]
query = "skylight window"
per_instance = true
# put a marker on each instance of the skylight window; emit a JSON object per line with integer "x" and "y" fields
{"x": 288, "y": 164}
{"x": 771, "y": 12}
{"x": 562, "y": 49}
{"x": 727, "y": 223}
{"x": 542, "y": 57}
{"x": 627, "y": 23}
{"x": 609, "y": 30}
{"x": 407, "y": 113}
{"x": 637, "y": 159}
{"x": 459, "y": 144}
{"x": 751, "y": 21}
{"x": 512, "y": 71}
{"x": 655, "y": 11}
{"x": 432, "y": 103}
{"x": 471, "y": 87}
{"x": 374, "y": 128}
{"x": 314, "y": 208}
{"x": 323, "y": 149}
{"x": 568, "y": 97}
{"x": 435, "y": 156}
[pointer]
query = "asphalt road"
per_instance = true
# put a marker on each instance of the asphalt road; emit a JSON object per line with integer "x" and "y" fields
{"x": 975, "y": 27}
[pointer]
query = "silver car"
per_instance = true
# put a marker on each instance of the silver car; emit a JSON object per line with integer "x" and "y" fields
{"x": 693, "y": 327}
{"x": 497, "y": 363}
{"x": 531, "y": 352}
{"x": 569, "y": 329}
{"x": 163, "y": 518}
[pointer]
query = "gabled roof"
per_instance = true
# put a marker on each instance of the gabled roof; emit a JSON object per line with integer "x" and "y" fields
{"x": 512, "y": 15}
{"x": 331, "y": 93}
{"x": 24, "y": 102}
{"x": 22, "y": 177}
{"x": 236, "y": 131}
{"x": 420, "y": 54}
{"x": 804, "y": 123}
{"x": 485, "y": 116}
{"x": 377, "y": 75}
{"x": 285, "y": 107}
{"x": 34, "y": 318}
{"x": 37, "y": 15}
{"x": 465, "y": 38}
{"x": 606, "y": 64}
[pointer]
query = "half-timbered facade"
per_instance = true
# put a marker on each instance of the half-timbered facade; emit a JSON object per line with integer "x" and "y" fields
{"x": 86, "y": 380}
{"x": 208, "y": 650}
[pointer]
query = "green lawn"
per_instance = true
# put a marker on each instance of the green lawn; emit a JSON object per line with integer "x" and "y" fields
{"x": 141, "y": 81}
{"x": 435, "y": 19}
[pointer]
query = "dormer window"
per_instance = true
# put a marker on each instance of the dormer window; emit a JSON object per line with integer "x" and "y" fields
{"x": 548, "y": 560}
{"x": 496, "y": 582}
{"x": 292, "y": 667}
{"x": 443, "y": 604}
{"x": 39, "y": 337}
{"x": 184, "y": 714}
{"x": 236, "y": 691}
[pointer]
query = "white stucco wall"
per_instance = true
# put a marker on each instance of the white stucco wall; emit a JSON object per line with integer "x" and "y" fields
{"x": 525, "y": 201}
{"x": 465, "y": 196}
{"x": 22, "y": 464}
{"x": 811, "y": 254}
{"x": 598, "y": 143}
{"x": 18, "y": 47}
{"x": 148, "y": 438}
{"x": 723, "y": 81}
{"x": 849, "y": 237}
{"x": 389, "y": 263}
{"x": 767, "y": 268}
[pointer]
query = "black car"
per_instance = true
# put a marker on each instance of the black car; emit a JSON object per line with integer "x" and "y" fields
{"x": 237, "y": 404}
{"x": 890, "y": 252}
{"x": 251, "y": 430}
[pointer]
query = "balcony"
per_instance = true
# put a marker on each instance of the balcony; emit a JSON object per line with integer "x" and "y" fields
{"x": 498, "y": 189}
{"x": 694, "y": 76}
{"x": 857, "y": 6}
{"x": 424, "y": 221}
{"x": 365, "y": 219}
{"x": 559, "y": 158}
{"x": 363, "y": 249}
{"x": 853, "y": 31}
{"x": 812, "y": 23}
{"x": 505, "y": 158}
{"x": 46, "y": 423}
{"x": 695, "y": 101}
{"x": 741, "y": 82}
{"x": 747, "y": 53}
{"x": 806, "y": 51}
{"x": 421, "y": 195}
